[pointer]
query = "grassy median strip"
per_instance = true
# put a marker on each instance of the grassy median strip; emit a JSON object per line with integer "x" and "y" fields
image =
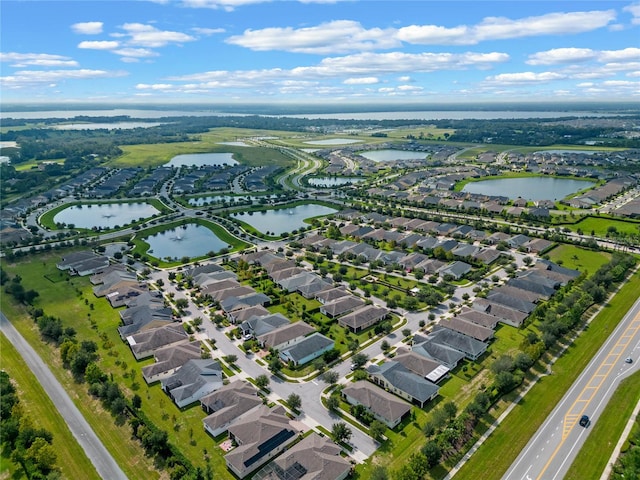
{"x": 500, "y": 450}
{"x": 37, "y": 405}
{"x": 603, "y": 437}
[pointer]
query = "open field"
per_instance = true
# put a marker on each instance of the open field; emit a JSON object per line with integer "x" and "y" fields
{"x": 72, "y": 461}
{"x": 507, "y": 441}
{"x": 599, "y": 225}
{"x": 578, "y": 258}
{"x": 603, "y": 437}
{"x": 158, "y": 154}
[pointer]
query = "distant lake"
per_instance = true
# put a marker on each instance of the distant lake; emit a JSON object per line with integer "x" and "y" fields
{"x": 333, "y": 141}
{"x": 584, "y": 152}
{"x": 529, "y": 188}
{"x": 190, "y": 240}
{"x": 384, "y": 115}
{"x": 391, "y": 155}
{"x": 283, "y": 220}
{"x": 202, "y": 159}
{"x": 104, "y": 215}
{"x": 106, "y": 126}
{"x": 333, "y": 181}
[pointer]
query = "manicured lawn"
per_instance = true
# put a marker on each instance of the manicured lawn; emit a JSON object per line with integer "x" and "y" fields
{"x": 605, "y": 433}
{"x": 600, "y": 225}
{"x": 505, "y": 443}
{"x": 72, "y": 461}
{"x": 578, "y": 258}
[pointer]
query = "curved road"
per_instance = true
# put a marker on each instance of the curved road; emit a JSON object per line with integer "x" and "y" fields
{"x": 549, "y": 454}
{"x": 102, "y": 460}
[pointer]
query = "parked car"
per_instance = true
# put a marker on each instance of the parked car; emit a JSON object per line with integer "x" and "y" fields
{"x": 584, "y": 421}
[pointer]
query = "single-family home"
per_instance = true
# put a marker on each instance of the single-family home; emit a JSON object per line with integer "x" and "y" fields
{"x": 384, "y": 406}
{"x": 363, "y": 318}
{"x": 285, "y": 336}
{"x": 229, "y": 404}
{"x": 169, "y": 359}
{"x": 421, "y": 365}
{"x": 145, "y": 343}
{"x": 396, "y": 378}
{"x": 307, "y": 349}
{"x": 192, "y": 381}
{"x": 341, "y": 306}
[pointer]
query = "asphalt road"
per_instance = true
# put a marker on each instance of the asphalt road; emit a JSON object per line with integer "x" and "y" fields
{"x": 550, "y": 452}
{"x": 102, "y": 460}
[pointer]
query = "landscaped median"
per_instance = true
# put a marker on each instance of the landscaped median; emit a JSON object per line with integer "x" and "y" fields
{"x": 502, "y": 447}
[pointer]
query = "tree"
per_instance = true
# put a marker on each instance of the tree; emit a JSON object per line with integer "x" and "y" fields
{"x": 406, "y": 332}
{"x": 377, "y": 429}
{"x": 385, "y": 346}
{"x": 432, "y": 452}
{"x": 330, "y": 377}
{"x": 230, "y": 358}
{"x": 359, "y": 359}
{"x": 340, "y": 432}
{"x": 294, "y": 401}
{"x": 379, "y": 473}
{"x": 136, "y": 401}
{"x": 450, "y": 409}
{"x": 42, "y": 455}
{"x": 262, "y": 381}
{"x": 333, "y": 403}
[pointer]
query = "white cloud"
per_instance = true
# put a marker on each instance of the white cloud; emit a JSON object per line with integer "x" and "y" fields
{"x": 99, "y": 45}
{"x": 207, "y": 31}
{"x": 634, "y": 10}
{"x": 25, "y": 78}
{"x": 501, "y": 28}
{"x": 620, "y": 55}
{"x": 405, "y": 79}
{"x": 87, "y": 28}
{"x": 634, "y": 74}
{"x": 338, "y": 36}
{"x": 21, "y": 60}
{"x": 142, "y": 35}
{"x": 524, "y": 78}
{"x": 135, "y": 52}
{"x": 562, "y": 55}
{"x": 361, "y": 81}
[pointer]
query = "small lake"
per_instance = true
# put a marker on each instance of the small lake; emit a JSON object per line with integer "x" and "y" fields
{"x": 562, "y": 152}
{"x": 202, "y": 159}
{"x": 104, "y": 215}
{"x": 328, "y": 182}
{"x": 530, "y": 188}
{"x": 283, "y": 220}
{"x": 392, "y": 155}
{"x": 334, "y": 141}
{"x": 190, "y": 240}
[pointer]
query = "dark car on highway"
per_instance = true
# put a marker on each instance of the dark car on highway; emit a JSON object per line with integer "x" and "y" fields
{"x": 584, "y": 420}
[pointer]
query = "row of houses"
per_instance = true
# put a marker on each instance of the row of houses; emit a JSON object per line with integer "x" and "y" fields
{"x": 350, "y": 310}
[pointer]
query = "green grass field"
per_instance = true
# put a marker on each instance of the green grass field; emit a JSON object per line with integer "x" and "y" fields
{"x": 599, "y": 226}
{"x": 72, "y": 461}
{"x": 210, "y": 142}
{"x": 578, "y": 258}
{"x": 503, "y": 446}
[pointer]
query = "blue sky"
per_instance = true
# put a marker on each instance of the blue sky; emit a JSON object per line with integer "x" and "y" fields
{"x": 318, "y": 51}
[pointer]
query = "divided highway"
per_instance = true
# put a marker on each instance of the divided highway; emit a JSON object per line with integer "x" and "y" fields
{"x": 550, "y": 452}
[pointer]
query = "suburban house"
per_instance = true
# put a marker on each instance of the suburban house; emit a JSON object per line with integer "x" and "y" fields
{"x": 145, "y": 343}
{"x": 363, "y": 317}
{"x": 170, "y": 359}
{"x": 395, "y": 377}
{"x": 313, "y": 458}
{"x": 467, "y": 328}
{"x": 242, "y": 314}
{"x": 421, "y": 365}
{"x": 249, "y": 300}
{"x": 229, "y": 404}
{"x": 259, "y": 437}
{"x": 341, "y": 306}
{"x": 285, "y": 336}
{"x": 503, "y": 313}
{"x": 478, "y": 317}
{"x": 443, "y": 354}
{"x": 470, "y": 347}
{"x": 193, "y": 380}
{"x": 143, "y": 318}
{"x": 259, "y": 325}
{"x": 456, "y": 269}
{"x": 83, "y": 263}
{"x": 331, "y": 294}
{"x": 307, "y": 349}
{"x": 384, "y": 406}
